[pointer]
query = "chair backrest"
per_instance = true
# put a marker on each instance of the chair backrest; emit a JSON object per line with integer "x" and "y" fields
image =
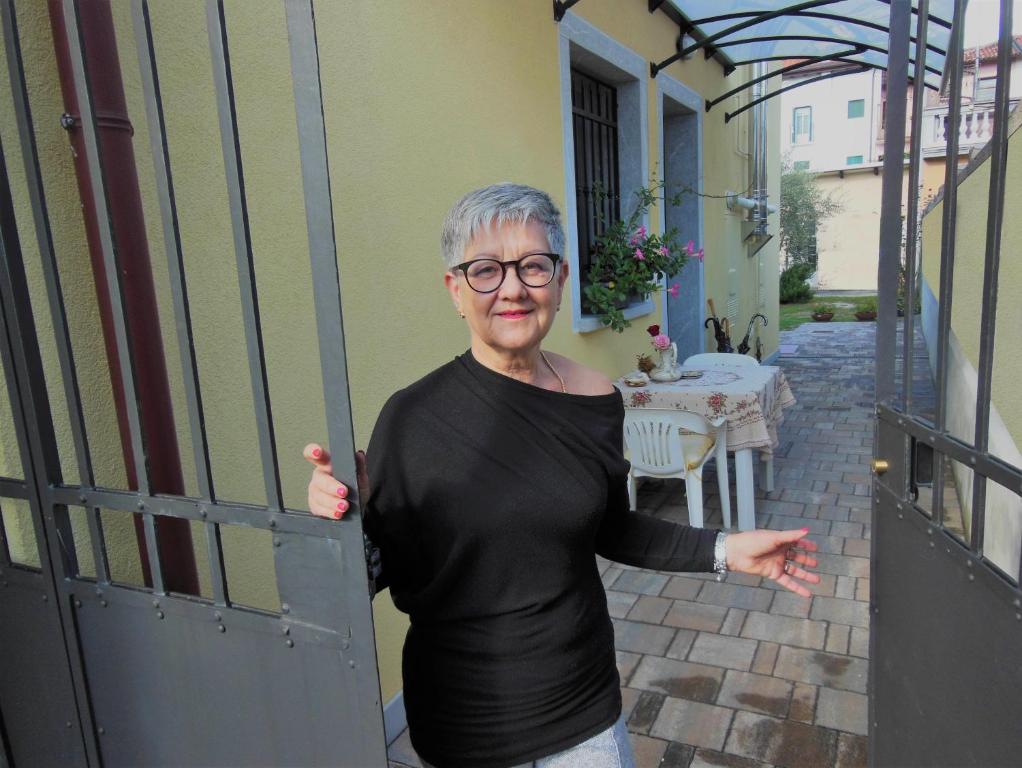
{"x": 720, "y": 359}
{"x": 668, "y": 441}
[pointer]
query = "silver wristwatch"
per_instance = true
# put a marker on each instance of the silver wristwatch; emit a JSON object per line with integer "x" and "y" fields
{"x": 720, "y": 556}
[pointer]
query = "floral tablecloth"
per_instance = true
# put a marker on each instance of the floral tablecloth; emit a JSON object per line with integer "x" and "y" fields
{"x": 752, "y": 399}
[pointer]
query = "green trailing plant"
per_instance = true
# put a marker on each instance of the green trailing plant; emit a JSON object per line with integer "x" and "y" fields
{"x": 823, "y": 308}
{"x": 632, "y": 262}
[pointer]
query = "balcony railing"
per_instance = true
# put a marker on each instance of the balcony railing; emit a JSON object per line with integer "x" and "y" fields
{"x": 975, "y": 127}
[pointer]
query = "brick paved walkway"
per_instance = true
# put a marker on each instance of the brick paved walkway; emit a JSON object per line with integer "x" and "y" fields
{"x": 743, "y": 673}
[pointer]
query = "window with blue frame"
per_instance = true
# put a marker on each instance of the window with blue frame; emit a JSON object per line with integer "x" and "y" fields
{"x": 856, "y": 108}
{"x": 853, "y": 160}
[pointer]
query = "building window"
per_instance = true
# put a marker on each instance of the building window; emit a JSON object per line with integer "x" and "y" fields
{"x": 801, "y": 165}
{"x": 853, "y": 160}
{"x": 856, "y": 108}
{"x": 802, "y": 125}
{"x": 986, "y": 88}
{"x": 597, "y": 181}
{"x": 605, "y": 128}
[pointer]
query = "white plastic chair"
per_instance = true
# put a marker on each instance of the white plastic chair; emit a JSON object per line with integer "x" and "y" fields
{"x": 664, "y": 442}
{"x": 721, "y": 359}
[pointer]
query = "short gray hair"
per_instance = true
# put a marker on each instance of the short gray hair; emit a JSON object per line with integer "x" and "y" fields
{"x": 498, "y": 204}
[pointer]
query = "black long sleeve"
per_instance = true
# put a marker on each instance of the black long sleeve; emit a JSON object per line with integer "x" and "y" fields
{"x": 490, "y": 498}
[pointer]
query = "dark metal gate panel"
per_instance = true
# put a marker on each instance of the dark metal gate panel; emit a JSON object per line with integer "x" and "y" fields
{"x": 36, "y": 694}
{"x": 946, "y": 621}
{"x": 152, "y": 677}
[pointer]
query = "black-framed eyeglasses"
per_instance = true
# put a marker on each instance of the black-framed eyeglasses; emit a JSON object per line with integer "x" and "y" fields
{"x": 487, "y": 275}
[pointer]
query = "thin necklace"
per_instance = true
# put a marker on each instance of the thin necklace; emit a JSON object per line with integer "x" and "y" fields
{"x": 564, "y": 389}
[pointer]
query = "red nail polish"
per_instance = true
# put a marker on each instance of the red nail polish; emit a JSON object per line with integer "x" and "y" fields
{"x": 342, "y": 491}
{"x": 337, "y": 515}
{"x": 317, "y": 452}
{"x": 342, "y": 506}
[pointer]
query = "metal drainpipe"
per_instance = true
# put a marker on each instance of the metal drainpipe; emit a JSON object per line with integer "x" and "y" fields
{"x": 125, "y": 204}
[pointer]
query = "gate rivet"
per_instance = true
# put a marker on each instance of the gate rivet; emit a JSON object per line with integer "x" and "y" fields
{"x": 156, "y": 603}
{"x": 276, "y": 542}
{"x": 289, "y": 643}
{"x": 78, "y": 603}
{"x": 933, "y": 438}
{"x": 273, "y": 523}
{"x": 899, "y": 505}
{"x": 217, "y": 616}
{"x": 202, "y": 512}
{"x": 82, "y": 498}
{"x": 901, "y": 516}
{"x": 103, "y": 603}
{"x": 932, "y": 544}
{"x": 141, "y": 504}
{"x": 68, "y": 724}
{"x": 46, "y": 598}
{"x": 221, "y": 628}
{"x": 351, "y": 664}
{"x": 972, "y": 459}
{"x": 1018, "y": 603}
{"x": 101, "y": 730}
{"x": 972, "y": 577}
{"x": 159, "y": 614}
{"x": 286, "y": 630}
{"x": 285, "y": 608}
{"x": 1018, "y": 617}
{"x": 346, "y": 644}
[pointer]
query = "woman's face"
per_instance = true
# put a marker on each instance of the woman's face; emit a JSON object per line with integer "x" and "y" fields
{"x": 515, "y": 317}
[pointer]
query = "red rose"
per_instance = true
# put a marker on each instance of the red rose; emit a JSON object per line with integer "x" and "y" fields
{"x": 653, "y": 330}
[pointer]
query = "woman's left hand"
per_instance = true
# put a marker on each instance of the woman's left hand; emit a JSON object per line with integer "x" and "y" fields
{"x": 778, "y": 555}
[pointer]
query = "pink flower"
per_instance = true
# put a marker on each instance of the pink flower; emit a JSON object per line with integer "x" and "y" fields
{"x": 641, "y": 231}
{"x": 639, "y": 256}
{"x": 661, "y": 341}
{"x": 699, "y": 254}
{"x": 664, "y": 251}
{"x": 691, "y": 247}
{"x": 674, "y": 290}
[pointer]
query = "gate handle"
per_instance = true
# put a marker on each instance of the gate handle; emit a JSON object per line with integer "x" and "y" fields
{"x": 880, "y": 466}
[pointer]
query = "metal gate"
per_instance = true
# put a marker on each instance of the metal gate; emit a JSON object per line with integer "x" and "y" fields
{"x": 96, "y": 672}
{"x": 946, "y": 640}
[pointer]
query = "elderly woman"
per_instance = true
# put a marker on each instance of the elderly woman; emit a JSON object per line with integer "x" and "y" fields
{"x": 496, "y": 480}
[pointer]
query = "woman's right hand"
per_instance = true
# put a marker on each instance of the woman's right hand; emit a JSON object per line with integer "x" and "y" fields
{"x": 328, "y": 496}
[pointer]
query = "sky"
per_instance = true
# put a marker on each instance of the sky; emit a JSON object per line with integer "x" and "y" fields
{"x": 981, "y": 18}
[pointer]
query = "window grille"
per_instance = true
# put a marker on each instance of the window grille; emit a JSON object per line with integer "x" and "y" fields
{"x": 597, "y": 182}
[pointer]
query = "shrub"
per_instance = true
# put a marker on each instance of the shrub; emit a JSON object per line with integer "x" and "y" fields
{"x": 824, "y": 309}
{"x": 794, "y": 288}
{"x": 867, "y": 304}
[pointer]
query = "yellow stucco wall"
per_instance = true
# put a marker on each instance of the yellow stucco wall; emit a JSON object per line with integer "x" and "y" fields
{"x": 422, "y": 102}
{"x": 1004, "y": 509}
{"x": 848, "y": 243}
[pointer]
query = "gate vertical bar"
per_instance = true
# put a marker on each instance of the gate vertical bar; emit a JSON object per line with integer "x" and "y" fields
{"x": 51, "y": 276}
{"x": 37, "y": 443}
{"x": 178, "y": 284}
{"x": 948, "y": 224}
{"x": 96, "y": 173}
{"x": 887, "y": 278}
{"x": 330, "y": 330}
{"x": 890, "y": 219}
{"x": 912, "y": 214}
{"x": 243, "y": 248}
{"x": 991, "y": 266}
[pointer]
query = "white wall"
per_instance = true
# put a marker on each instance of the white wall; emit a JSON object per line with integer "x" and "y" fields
{"x": 835, "y": 135}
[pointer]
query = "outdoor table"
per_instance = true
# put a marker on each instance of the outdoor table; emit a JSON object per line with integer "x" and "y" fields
{"x": 751, "y": 397}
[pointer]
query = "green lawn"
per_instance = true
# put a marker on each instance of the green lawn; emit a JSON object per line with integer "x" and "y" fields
{"x": 793, "y": 315}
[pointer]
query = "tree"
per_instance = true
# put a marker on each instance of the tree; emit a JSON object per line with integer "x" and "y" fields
{"x": 804, "y": 207}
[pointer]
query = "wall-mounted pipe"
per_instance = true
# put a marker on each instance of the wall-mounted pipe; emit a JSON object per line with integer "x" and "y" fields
{"x": 124, "y": 202}
{"x": 734, "y": 200}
